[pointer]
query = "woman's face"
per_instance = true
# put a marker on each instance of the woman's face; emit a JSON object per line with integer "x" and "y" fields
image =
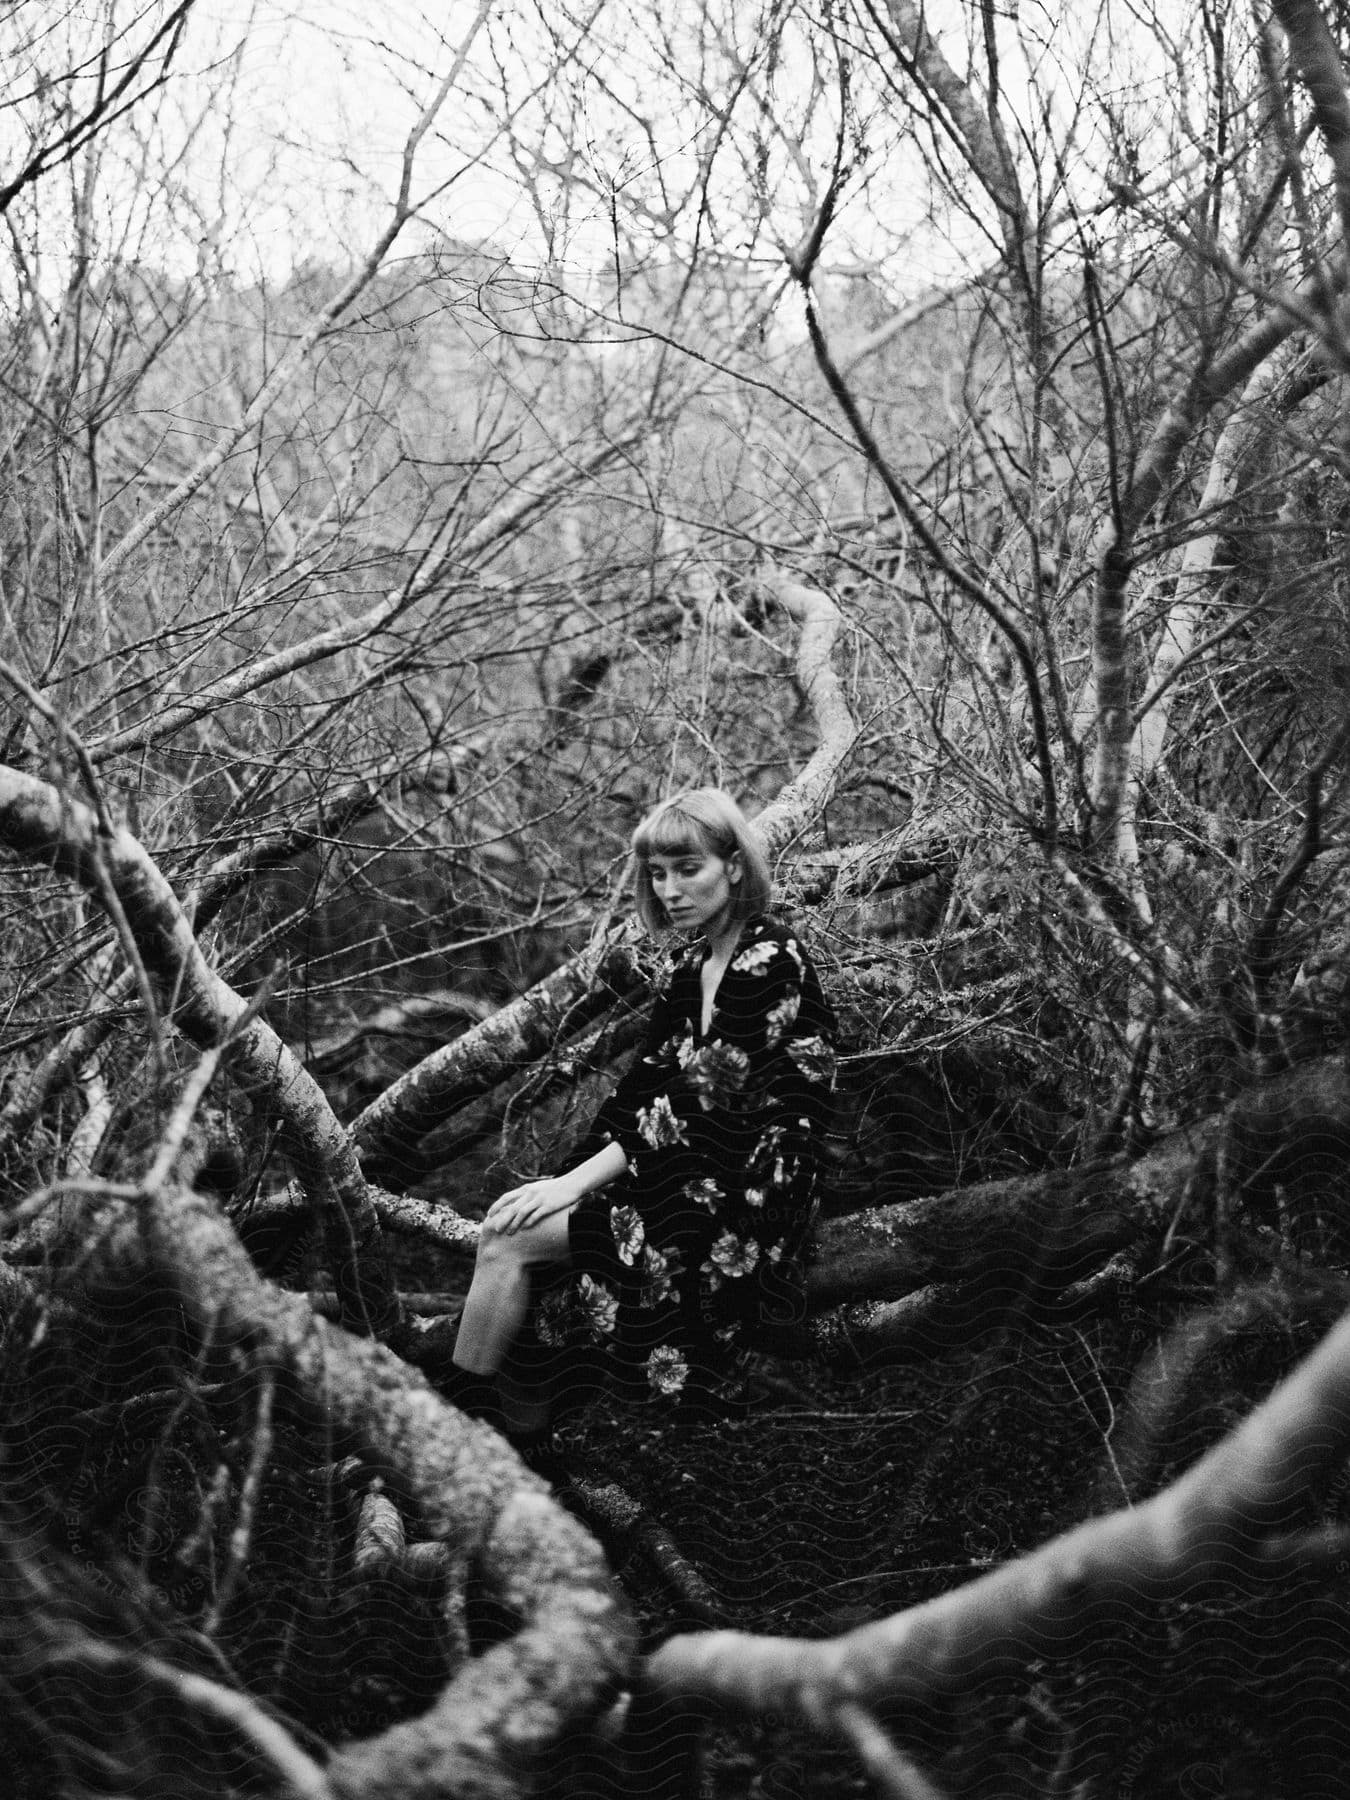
{"x": 694, "y": 887}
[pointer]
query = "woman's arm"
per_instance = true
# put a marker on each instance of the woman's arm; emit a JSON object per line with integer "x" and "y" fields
{"x": 535, "y": 1200}
{"x": 650, "y": 1073}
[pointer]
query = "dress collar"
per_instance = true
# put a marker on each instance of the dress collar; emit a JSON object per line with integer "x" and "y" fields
{"x": 697, "y": 950}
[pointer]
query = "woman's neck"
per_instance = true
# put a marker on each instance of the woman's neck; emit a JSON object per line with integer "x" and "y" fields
{"x": 722, "y": 939}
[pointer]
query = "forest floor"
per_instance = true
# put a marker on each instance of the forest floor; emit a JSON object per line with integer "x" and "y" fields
{"x": 841, "y": 1500}
{"x": 836, "y": 1499}
{"x": 849, "y": 1499}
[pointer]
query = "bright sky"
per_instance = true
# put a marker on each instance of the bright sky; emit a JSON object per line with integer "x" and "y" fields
{"x": 320, "y": 102}
{"x": 300, "y": 109}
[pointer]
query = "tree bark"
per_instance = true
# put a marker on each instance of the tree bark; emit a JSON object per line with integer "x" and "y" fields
{"x": 460, "y": 1485}
{"x": 45, "y": 826}
{"x": 1319, "y": 64}
{"x": 388, "y": 1131}
{"x": 1235, "y": 1517}
{"x": 1014, "y": 1241}
{"x": 1213, "y": 381}
{"x": 883, "y": 1274}
{"x": 201, "y": 904}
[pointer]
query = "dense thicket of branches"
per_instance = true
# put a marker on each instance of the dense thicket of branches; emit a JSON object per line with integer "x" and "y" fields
{"x": 423, "y": 448}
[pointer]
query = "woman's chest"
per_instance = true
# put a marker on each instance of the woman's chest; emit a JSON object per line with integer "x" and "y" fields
{"x": 715, "y": 1005}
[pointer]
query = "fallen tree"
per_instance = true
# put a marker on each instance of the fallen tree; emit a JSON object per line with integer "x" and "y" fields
{"x": 1241, "y": 1517}
{"x": 613, "y": 964}
{"x": 180, "y": 988}
{"x": 428, "y": 1518}
{"x": 444, "y": 1521}
{"x": 890, "y": 1279}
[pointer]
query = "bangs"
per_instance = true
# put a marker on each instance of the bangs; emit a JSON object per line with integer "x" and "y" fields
{"x": 705, "y": 822}
{"x": 672, "y": 834}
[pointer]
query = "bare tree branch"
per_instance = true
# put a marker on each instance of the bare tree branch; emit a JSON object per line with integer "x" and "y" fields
{"x": 293, "y": 358}
{"x": 111, "y": 100}
{"x": 1319, "y": 64}
{"x": 39, "y": 823}
{"x": 462, "y": 1484}
{"x": 1213, "y": 382}
{"x": 819, "y": 620}
{"x": 573, "y": 996}
{"x": 1217, "y": 1522}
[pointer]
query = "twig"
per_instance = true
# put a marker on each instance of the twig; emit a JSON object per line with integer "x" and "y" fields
{"x": 91, "y": 1187}
{"x": 102, "y": 882}
{"x": 98, "y": 1110}
{"x": 1091, "y": 910}
{"x": 242, "y": 1535}
{"x": 1047, "y": 828}
{"x": 897, "y": 1775}
{"x": 380, "y": 1535}
{"x": 202, "y": 1537}
{"x": 1261, "y": 954}
{"x": 610, "y": 1509}
{"x": 194, "y": 1090}
{"x": 171, "y": 1140}
{"x": 299, "y": 1776}
{"x": 289, "y": 364}
{"x": 1110, "y": 1410}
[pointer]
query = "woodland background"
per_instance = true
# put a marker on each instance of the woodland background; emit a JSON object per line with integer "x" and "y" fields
{"x": 427, "y": 443}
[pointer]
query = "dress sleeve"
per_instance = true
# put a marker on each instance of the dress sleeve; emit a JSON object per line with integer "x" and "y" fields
{"x": 795, "y": 1053}
{"x": 788, "y": 1030}
{"x": 645, "y": 1077}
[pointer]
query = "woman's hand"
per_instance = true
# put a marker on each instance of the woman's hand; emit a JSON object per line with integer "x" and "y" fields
{"x": 533, "y": 1201}
{"x": 528, "y": 1204}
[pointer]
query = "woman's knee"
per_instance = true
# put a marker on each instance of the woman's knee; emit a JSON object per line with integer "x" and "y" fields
{"x": 519, "y": 1249}
{"x": 497, "y": 1248}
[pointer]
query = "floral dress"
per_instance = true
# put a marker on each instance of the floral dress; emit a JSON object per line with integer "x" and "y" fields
{"x": 675, "y": 1265}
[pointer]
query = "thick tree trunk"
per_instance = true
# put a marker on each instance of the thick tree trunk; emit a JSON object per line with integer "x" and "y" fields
{"x": 1293, "y": 1130}
{"x": 453, "y": 1482}
{"x": 891, "y": 1276}
{"x": 887, "y": 1277}
{"x": 387, "y": 1134}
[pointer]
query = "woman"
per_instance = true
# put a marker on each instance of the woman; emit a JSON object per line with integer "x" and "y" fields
{"x": 685, "y": 1227}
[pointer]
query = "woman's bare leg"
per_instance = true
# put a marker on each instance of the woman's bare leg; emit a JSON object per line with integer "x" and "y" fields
{"x": 498, "y": 1301}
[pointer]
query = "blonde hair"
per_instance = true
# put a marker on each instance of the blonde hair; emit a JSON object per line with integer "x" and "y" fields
{"x": 706, "y": 820}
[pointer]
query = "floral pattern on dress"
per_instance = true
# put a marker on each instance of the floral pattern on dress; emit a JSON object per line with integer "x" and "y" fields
{"x": 659, "y": 1271}
{"x": 629, "y": 1232}
{"x": 659, "y": 1126}
{"x": 667, "y": 1370}
{"x": 771, "y": 1158}
{"x": 552, "y": 1320}
{"x": 730, "y": 1257}
{"x": 814, "y": 1057}
{"x": 600, "y": 1304}
{"x": 781, "y": 1017}
{"x": 705, "y": 1192}
{"x": 756, "y": 957}
{"x": 703, "y": 1239}
{"x": 716, "y": 1072}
